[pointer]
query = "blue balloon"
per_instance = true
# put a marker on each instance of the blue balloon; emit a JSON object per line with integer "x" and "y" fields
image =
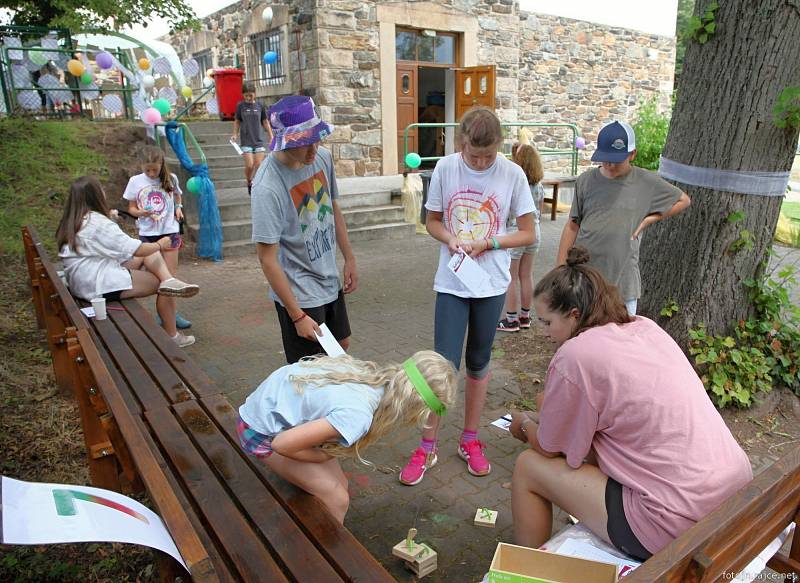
{"x": 270, "y": 57}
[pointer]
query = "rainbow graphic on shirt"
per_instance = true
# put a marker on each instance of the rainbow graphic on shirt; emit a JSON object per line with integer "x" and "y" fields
{"x": 65, "y": 503}
{"x": 153, "y": 198}
{"x": 312, "y": 200}
{"x": 471, "y": 215}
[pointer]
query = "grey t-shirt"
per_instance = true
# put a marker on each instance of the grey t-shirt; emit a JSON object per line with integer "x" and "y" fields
{"x": 251, "y": 117}
{"x": 295, "y": 208}
{"x": 608, "y": 211}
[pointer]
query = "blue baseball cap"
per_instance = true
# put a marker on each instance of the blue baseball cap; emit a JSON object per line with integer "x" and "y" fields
{"x": 615, "y": 142}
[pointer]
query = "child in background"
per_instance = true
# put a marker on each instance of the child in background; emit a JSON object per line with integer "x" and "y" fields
{"x": 306, "y": 415}
{"x": 154, "y": 198}
{"x": 520, "y": 290}
{"x": 250, "y": 128}
{"x": 626, "y": 438}
{"x": 472, "y": 195}
{"x": 101, "y": 261}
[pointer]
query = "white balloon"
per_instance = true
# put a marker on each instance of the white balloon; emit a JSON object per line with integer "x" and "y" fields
{"x": 212, "y": 106}
{"x": 208, "y": 82}
{"x": 266, "y": 16}
{"x": 148, "y": 81}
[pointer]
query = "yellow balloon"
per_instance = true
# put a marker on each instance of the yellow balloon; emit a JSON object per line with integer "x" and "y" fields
{"x": 186, "y": 91}
{"x": 75, "y": 67}
{"x": 144, "y": 64}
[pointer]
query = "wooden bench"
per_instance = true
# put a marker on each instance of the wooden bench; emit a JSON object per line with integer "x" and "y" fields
{"x": 556, "y": 182}
{"x": 726, "y": 540}
{"x": 153, "y": 421}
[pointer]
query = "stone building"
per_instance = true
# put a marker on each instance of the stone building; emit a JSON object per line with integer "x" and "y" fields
{"x": 374, "y": 67}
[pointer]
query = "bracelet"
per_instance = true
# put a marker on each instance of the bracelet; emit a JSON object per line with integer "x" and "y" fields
{"x": 495, "y": 243}
{"x": 300, "y": 318}
{"x": 178, "y": 205}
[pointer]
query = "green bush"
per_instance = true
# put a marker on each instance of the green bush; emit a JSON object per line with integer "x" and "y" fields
{"x": 651, "y": 134}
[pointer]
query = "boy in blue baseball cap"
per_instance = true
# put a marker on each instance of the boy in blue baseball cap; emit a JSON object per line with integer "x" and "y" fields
{"x": 613, "y": 205}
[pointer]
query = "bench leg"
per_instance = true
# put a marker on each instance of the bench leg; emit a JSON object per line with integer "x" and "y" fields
{"x": 554, "y": 207}
{"x": 168, "y": 569}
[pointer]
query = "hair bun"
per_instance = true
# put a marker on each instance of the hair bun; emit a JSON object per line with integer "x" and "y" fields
{"x": 577, "y": 255}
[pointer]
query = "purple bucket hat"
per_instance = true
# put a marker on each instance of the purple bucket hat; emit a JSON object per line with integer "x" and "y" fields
{"x": 295, "y": 124}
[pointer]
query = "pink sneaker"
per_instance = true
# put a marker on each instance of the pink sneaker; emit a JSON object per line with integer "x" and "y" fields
{"x": 412, "y": 474}
{"x": 472, "y": 453}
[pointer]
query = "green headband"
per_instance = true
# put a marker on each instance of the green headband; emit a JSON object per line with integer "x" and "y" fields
{"x": 419, "y": 382}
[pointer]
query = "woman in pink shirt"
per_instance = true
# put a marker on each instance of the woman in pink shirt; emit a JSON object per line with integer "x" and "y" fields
{"x": 626, "y": 438}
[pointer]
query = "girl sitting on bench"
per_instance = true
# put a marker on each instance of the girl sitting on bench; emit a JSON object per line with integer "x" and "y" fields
{"x": 306, "y": 415}
{"x": 101, "y": 261}
{"x": 626, "y": 438}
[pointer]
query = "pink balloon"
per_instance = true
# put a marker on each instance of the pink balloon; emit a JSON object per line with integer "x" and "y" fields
{"x": 151, "y": 116}
{"x": 580, "y": 143}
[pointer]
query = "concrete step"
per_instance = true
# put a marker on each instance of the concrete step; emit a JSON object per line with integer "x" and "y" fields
{"x": 213, "y": 151}
{"x": 234, "y": 210}
{"x": 238, "y": 194}
{"x": 238, "y": 248}
{"x": 233, "y": 161}
{"x": 358, "y": 199}
{"x": 367, "y": 216}
{"x": 231, "y": 230}
{"x": 380, "y": 232}
{"x": 211, "y": 127}
{"x": 210, "y": 140}
{"x": 219, "y": 174}
{"x": 231, "y": 184}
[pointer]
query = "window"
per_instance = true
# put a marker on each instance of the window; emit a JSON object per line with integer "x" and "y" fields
{"x": 204, "y": 63}
{"x": 266, "y": 74}
{"x": 426, "y": 46}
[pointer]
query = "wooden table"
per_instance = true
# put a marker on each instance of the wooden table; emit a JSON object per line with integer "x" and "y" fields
{"x": 556, "y": 182}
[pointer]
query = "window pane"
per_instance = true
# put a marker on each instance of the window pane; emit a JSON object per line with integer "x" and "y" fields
{"x": 405, "y": 84}
{"x": 425, "y": 48}
{"x": 445, "y": 50}
{"x": 482, "y": 86}
{"x": 405, "y": 46}
{"x": 467, "y": 85}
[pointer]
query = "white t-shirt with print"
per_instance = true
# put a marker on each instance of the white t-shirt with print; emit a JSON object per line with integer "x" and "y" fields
{"x": 95, "y": 267}
{"x": 477, "y": 205}
{"x": 147, "y": 192}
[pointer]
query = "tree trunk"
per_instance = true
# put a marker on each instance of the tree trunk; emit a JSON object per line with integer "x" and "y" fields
{"x": 723, "y": 119}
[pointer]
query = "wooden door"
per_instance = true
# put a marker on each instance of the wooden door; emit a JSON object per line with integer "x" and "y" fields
{"x": 474, "y": 86}
{"x": 407, "y": 108}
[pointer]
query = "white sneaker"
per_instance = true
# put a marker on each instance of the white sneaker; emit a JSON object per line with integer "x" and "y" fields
{"x": 183, "y": 340}
{"x": 177, "y": 288}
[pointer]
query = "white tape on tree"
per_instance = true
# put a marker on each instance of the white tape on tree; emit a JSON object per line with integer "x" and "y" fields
{"x": 739, "y": 181}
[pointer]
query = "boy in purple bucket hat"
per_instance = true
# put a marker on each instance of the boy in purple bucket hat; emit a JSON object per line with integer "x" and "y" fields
{"x": 297, "y": 225}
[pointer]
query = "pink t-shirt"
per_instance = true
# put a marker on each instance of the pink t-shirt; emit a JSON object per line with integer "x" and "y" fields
{"x": 628, "y": 392}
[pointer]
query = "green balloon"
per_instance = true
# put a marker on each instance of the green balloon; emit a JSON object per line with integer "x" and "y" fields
{"x": 193, "y": 184}
{"x": 413, "y": 160}
{"x": 37, "y": 57}
{"x": 86, "y": 78}
{"x": 162, "y": 105}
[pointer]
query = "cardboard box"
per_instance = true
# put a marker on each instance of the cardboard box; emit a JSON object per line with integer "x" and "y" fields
{"x": 515, "y": 564}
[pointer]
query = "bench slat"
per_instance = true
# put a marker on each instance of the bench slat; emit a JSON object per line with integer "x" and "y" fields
{"x": 336, "y": 542}
{"x": 292, "y": 547}
{"x": 212, "y": 502}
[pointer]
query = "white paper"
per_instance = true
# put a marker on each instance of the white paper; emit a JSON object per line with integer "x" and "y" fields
{"x": 503, "y": 423}
{"x": 575, "y": 548}
{"x": 472, "y": 275}
{"x": 236, "y": 147}
{"x": 88, "y": 312}
{"x": 329, "y": 343}
{"x": 31, "y": 517}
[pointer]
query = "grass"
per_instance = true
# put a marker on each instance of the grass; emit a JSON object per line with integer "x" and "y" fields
{"x": 791, "y": 210}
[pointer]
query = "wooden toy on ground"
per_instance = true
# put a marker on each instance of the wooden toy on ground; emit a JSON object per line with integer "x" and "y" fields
{"x": 485, "y": 517}
{"x": 420, "y": 559}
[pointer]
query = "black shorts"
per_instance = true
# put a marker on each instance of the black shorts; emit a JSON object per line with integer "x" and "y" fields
{"x": 175, "y": 239}
{"x": 333, "y": 314}
{"x": 619, "y": 531}
{"x": 114, "y": 296}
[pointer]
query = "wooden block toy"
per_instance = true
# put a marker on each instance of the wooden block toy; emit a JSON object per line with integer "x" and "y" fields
{"x": 485, "y": 517}
{"x": 425, "y": 563}
{"x": 407, "y": 549}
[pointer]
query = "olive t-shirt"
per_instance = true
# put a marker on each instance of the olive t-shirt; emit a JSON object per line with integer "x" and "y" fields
{"x": 608, "y": 211}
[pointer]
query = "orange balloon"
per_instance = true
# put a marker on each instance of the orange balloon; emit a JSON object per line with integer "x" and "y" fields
{"x": 144, "y": 64}
{"x": 75, "y": 67}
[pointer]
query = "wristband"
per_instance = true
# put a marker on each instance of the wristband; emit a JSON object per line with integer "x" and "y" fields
{"x": 495, "y": 243}
{"x": 300, "y": 318}
{"x": 178, "y": 206}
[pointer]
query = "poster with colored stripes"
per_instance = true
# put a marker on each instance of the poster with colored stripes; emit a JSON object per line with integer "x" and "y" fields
{"x": 39, "y": 514}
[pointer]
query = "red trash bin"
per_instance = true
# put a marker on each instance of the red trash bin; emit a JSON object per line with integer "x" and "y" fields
{"x": 229, "y": 91}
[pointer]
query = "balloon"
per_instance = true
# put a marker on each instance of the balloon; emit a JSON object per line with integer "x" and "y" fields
{"x": 144, "y": 64}
{"x": 75, "y": 67}
{"x": 208, "y": 82}
{"x": 186, "y": 91}
{"x": 209, "y": 73}
{"x": 37, "y": 57}
{"x": 270, "y": 57}
{"x": 150, "y": 116}
{"x": 266, "y": 16}
{"x": 193, "y": 185}
{"x": 86, "y": 77}
{"x": 580, "y": 143}
{"x": 413, "y": 160}
{"x": 104, "y": 60}
{"x": 162, "y": 105}
{"x": 148, "y": 81}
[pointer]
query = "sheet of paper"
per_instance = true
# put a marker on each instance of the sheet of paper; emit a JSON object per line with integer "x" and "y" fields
{"x": 466, "y": 269}
{"x": 236, "y": 147}
{"x": 41, "y": 514}
{"x": 329, "y": 343}
{"x": 577, "y": 548}
{"x": 503, "y": 423}
{"x": 88, "y": 312}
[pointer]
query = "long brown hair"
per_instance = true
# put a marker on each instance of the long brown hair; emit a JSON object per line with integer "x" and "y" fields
{"x": 578, "y": 286}
{"x": 480, "y": 127}
{"x": 527, "y": 157}
{"x": 85, "y": 195}
{"x": 154, "y": 155}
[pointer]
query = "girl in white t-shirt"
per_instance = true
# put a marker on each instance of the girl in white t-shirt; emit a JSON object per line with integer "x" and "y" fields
{"x": 470, "y": 198}
{"x": 101, "y": 261}
{"x": 154, "y": 198}
{"x": 306, "y": 415}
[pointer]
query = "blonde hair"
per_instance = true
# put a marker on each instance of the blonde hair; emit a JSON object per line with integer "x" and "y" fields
{"x": 527, "y": 157}
{"x": 154, "y": 155}
{"x": 401, "y": 404}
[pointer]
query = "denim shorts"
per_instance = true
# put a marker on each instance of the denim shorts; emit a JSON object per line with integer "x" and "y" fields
{"x": 532, "y": 249}
{"x": 252, "y": 149}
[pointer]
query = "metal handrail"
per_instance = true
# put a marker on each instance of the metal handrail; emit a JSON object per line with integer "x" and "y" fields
{"x": 189, "y": 105}
{"x": 187, "y": 133}
{"x": 571, "y": 152}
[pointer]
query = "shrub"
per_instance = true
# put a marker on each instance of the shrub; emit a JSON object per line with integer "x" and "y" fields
{"x": 651, "y": 134}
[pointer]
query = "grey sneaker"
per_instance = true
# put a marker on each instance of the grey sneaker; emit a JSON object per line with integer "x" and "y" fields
{"x": 183, "y": 340}
{"x": 177, "y": 288}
